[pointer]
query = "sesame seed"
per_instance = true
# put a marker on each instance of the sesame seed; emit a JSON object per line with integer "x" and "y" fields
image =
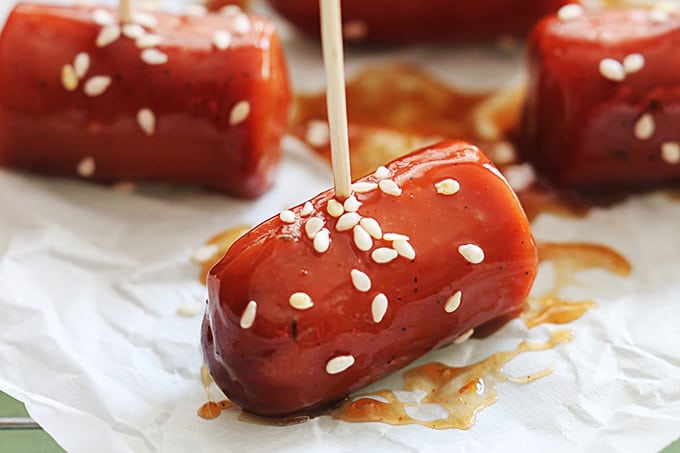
{"x": 241, "y": 24}
{"x": 347, "y": 221}
{"x": 360, "y": 280}
{"x": 287, "y": 216}
{"x": 453, "y": 302}
{"x": 379, "y": 307}
{"x": 102, "y": 17}
{"x": 69, "y": 79}
{"x": 334, "y": 208}
{"x": 503, "y": 153}
{"x": 570, "y": 12}
{"x": 659, "y": 15}
{"x": 339, "y": 364}
{"x": 248, "y": 315}
{"x": 230, "y": 10}
{"x": 86, "y": 167}
{"x": 447, "y": 186}
{"x": 313, "y": 226}
{"x": 404, "y": 249}
{"x": 81, "y": 64}
{"x": 472, "y": 253}
{"x": 612, "y": 70}
{"x": 318, "y": 133}
{"x": 465, "y": 336}
{"x": 307, "y": 209}
{"x": 322, "y": 240}
{"x": 221, "y": 39}
{"x": 395, "y": 237}
{"x": 383, "y": 255}
{"x": 363, "y": 187}
{"x": 381, "y": 172}
{"x": 354, "y": 30}
{"x": 144, "y": 18}
{"x": 148, "y": 40}
{"x": 154, "y": 57}
{"x": 195, "y": 9}
{"x": 146, "y": 121}
{"x": 300, "y": 301}
{"x": 633, "y": 63}
{"x": 644, "y": 127}
{"x": 107, "y": 35}
{"x": 351, "y": 204}
{"x": 205, "y": 253}
{"x": 371, "y": 226}
{"x": 133, "y": 31}
{"x": 520, "y": 176}
{"x": 362, "y": 239}
{"x": 239, "y": 113}
{"x": 190, "y": 309}
{"x": 389, "y": 187}
{"x": 97, "y": 85}
{"x": 670, "y": 152}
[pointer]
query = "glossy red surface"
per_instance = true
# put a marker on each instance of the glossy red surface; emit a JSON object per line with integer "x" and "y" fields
{"x": 578, "y": 128}
{"x": 46, "y": 129}
{"x": 277, "y": 366}
{"x": 407, "y": 21}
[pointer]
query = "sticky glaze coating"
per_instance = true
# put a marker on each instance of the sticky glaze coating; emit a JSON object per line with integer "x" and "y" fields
{"x": 189, "y": 132}
{"x": 408, "y": 21}
{"x": 584, "y": 129}
{"x": 274, "y": 359}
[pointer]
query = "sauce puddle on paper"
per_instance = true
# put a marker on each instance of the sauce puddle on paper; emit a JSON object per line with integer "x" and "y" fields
{"x": 215, "y": 248}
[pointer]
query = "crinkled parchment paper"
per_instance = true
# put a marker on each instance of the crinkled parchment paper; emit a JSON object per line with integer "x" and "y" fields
{"x": 90, "y": 338}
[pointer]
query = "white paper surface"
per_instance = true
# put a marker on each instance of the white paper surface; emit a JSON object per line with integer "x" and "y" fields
{"x": 90, "y": 339}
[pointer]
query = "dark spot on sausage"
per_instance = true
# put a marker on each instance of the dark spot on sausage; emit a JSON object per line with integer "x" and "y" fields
{"x": 415, "y": 290}
{"x": 620, "y": 154}
{"x": 118, "y": 77}
{"x": 654, "y": 104}
{"x": 653, "y": 157}
{"x": 415, "y": 279}
{"x": 500, "y": 268}
{"x": 293, "y": 330}
{"x": 42, "y": 84}
{"x": 167, "y": 72}
{"x": 526, "y": 273}
{"x": 403, "y": 329}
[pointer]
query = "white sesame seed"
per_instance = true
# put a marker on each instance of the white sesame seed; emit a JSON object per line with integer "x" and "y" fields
{"x": 239, "y": 112}
{"x": 670, "y": 152}
{"x": 383, "y": 255}
{"x": 570, "y": 12}
{"x": 154, "y": 57}
{"x": 144, "y": 18}
{"x": 612, "y": 70}
{"x": 133, "y": 31}
{"x": 190, "y": 309}
{"x": 81, "y": 64}
{"x": 107, "y": 35}
{"x": 453, "y": 302}
{"x": 221, "y": 39}
{"x": 86, "y": 167}
{"x": 395, "y": 237}
{"x": 447, "y": 186}
{"x": 339, "y": 364}
{"x": 486, "y": 128}
{"x": 313, "y": 226}
{"x": 146, "y": 121}
{"x": 362, "y": 239}
{"x": 381, "y": 172}
{"x": 318, "y": 133}
{"x": 241, "y": 24}
{"x": 503, "y": 152}
{"x": 351, "y": 204}
{"x": 97, "y": 85}
{"x": 379, "y": 307}
{"x": 363, "y": 187}
{"x": 520, "y": 176}
{"x": 659, "y": 15}
{"x": 307, "y": 209}
{"x": 472, "y": 253}
{"x": 322, "y": 240}
{"x": 230, "y": 10}
{"x": 287, "y": 216}
{"x": 644, "y": 127}
{"x": 148, "y": 40}
{"x": 347, "y": 221}
{"x": 633, "y": 63}
{"x": 354, "y": 30}
{"x": 194, "y": 9}
{"x": 300, "y": 301}
{"x": 69, "y": 79}
{"x": 465, "y": 336}
{"x": 334, "y": 208}
{"x": 102, "y": 17}
{"x": 248, "y": 315}
{"x": 389, "y": 187}
{"x": 372, "y": 227}
{"x": 404, "y": 249}
{"x": 205, "y": 253}
{"x": 360, "y": 280}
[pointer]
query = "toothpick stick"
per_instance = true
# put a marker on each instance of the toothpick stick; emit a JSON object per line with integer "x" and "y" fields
{"x": 331, "y": 38}
{"x": 125, "y": 11}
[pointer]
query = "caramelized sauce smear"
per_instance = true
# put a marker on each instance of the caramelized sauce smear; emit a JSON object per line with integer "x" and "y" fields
{"x": 462, "y": 392}
{"x": 223, "y": 241}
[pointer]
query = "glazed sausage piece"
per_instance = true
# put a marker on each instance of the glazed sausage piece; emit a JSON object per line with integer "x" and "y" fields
{"x": 604, "y": 100}
{"x": 407, "y": 21}
{"x": 326, "y": 298}
{"x": 190, "y": 100}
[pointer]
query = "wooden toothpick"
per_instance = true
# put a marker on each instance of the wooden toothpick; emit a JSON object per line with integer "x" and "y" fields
{"x": 125, "y": 11}
{"x": 331, "y": 38}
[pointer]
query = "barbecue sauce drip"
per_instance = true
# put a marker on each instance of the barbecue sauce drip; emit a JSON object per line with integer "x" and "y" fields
{"x": 223, "y": 241}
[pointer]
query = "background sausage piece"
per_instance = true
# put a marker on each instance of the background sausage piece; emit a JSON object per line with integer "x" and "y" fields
{"x": 407, "y": 21}
{"x": 76, "y": 99}
{"x": 603, "y": 105}
{"x": 291, "y": 328}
